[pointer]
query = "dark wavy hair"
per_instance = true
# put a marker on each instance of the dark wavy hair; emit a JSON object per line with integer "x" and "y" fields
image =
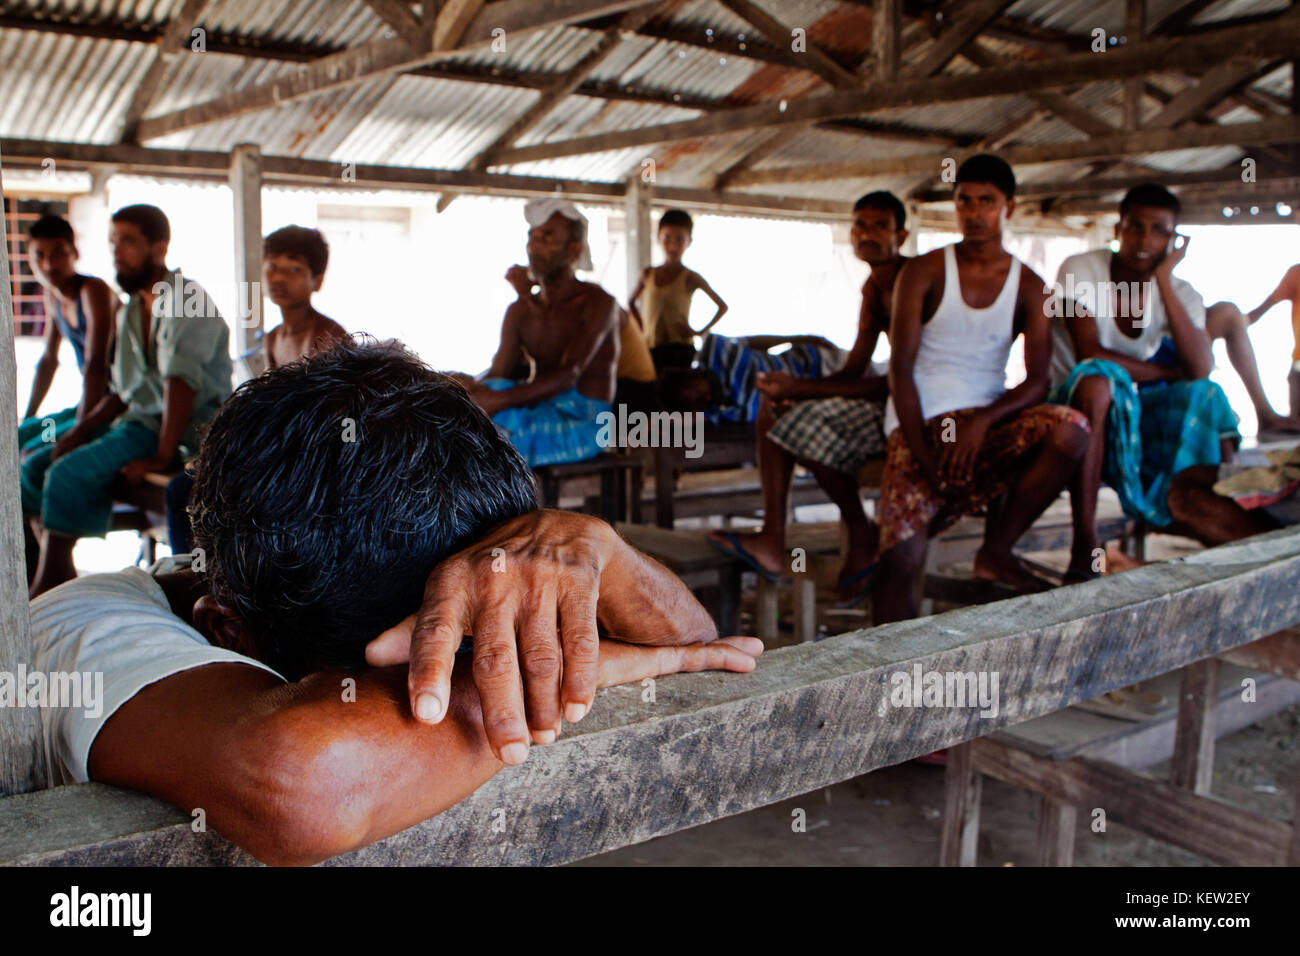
{"x": 326, "y": 490}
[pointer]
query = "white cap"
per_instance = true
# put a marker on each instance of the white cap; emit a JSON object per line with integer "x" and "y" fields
{"x": 537, "y": 211}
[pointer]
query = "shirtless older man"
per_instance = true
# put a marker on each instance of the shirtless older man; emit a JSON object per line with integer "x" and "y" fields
{"x": 570, "y": 329}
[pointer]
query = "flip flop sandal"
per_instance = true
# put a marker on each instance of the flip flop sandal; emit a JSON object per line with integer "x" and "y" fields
{"x": 733, "y": 549}
{"x": 866, "y": 577}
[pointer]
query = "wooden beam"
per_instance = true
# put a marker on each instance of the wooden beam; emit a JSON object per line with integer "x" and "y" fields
{"x": 1229, "y": 177}
{"x": 212, "y": 165}
{"x": 1061, "y": 73}
{"x": 385, "y": 56}
{"x": 1215, "y": 84}
{"x": 779, "y": 34}
{"x": 1135, "y": 15}
{"x": 973, "y": 18}
{"x": 1194, "y": 734}
{"x": 1279, "y": 130}
{"x": 1059, "y": 104}
{"x": 165, "y": 53}
{"x": 22, "y": 759}
{"x": 562, "y": 87}
{"x": 886, "y": 38}
{"x": 398, "y": 15}
{"x": 637, "y": 230}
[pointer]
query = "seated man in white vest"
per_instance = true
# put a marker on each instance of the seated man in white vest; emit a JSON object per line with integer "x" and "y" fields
{"x": 958, "y": 437}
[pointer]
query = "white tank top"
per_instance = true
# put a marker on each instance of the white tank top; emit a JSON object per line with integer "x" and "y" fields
{"x": 962, "y": 359}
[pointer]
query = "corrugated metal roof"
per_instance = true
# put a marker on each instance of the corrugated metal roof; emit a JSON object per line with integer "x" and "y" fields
{"x": 78, "y": 88}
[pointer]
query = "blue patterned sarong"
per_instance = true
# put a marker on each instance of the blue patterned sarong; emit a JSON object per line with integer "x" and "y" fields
{"x": 737, "y": 365}
{"x": 558, "y": 429}
{"x": 1153, "y": 433}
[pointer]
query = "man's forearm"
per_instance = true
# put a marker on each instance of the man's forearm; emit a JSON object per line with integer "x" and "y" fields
{"x": 45, "y": 370}
{"x": 109, "y": 407}
{"x": 1029, "y": 392}
{"x": 642, "y": 602}
{"x": 93, "y": 386}
{"x": 540, "y": 388}
{"x": 178, "y": 409}
{"x": 1192, "y": 344}
{"x": 832, "y": 386}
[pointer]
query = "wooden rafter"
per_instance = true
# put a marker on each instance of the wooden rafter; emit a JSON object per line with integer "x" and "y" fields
{"x": 398, "y": 15}
{"x": 1268, "y": 39}
{"x": 461, "y": 24}
{"x": 166, "y": 49}
{"x": 779, "y": 34}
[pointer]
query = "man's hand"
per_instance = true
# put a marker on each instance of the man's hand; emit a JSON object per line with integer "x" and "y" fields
{"x": 522, "y": 280}
{"x": 487, "y": 399}
{"x": 134, "y": 471}
{"x": 777, "y": 386}
{"x": 957, "y": 458}
{"x": 528, "y": 592}
{"x": 622, "y": 663}
{"x": 72, "y": 439}
{"x": 1177, "y": 252}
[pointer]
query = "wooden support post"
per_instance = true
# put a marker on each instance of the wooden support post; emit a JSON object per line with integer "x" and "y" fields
{"x": 805, "y": 607}
{"x": 1193, "y": 761}
{"x": 246, "y": 184}
{"x": 1056, "y": 822}
{"x": 636, "y": 219}
{"x": 766, "y": 616}
{"x": 959, "y": 828}
{"x": 21, "y": 766}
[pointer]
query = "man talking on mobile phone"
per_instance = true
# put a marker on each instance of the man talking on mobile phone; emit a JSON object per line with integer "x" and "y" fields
{"x": 1130, "y": 351}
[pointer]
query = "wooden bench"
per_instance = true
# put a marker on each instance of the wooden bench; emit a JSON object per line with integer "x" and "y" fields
{"x": 1077, "y": 760}
{"x": 142, "y": 508}
{"x": 620, "y": 477}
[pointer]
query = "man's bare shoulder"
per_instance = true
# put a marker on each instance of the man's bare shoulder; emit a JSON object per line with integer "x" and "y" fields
{"x": 595, "y": 296}
{"x": 928, "y": 265}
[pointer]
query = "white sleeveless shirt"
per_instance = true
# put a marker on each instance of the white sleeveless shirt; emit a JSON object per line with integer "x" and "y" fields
{"x": 962, "y": 359}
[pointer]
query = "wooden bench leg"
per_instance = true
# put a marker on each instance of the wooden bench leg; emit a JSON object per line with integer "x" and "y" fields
{"x": 1056, "y": 822}
{"x": 805, "y": 607}
{"x": 728, "y": 599}
{"x": 637, "y": 480}
{"x": 1193, "y": 761}
{"x": 959, "y": 828}
{"x": 766, "y": 625}
{"x": 610, "y": 494}
{"x": 664, "y": 461}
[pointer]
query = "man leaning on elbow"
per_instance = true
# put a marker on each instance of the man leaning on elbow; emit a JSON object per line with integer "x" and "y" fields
{"x": 355, "y": 494}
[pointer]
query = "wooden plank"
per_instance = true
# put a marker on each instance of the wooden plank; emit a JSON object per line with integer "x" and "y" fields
{"x": 1279, "y": 130}
{"x": 1276, "y": 654}
{"x": 1135, "y": 15}
{"x": 1060, "y": 73}
{"x": 638, "y": 230}
{"x": 959, "y": 826}
{"x": 780, "y": 34}
{"x": 1206, "y": 826}
{"x": 1194, "y": 735}
{"x": 22, "y": 765}
{"x": 712, "y": 745}
{"x": 382, "y": 57}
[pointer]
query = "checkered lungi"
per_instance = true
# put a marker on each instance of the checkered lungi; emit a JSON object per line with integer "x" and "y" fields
{"x": 841, "y": 433}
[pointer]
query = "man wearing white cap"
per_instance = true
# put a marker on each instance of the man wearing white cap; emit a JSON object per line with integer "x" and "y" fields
{"x": 570, "y": 330}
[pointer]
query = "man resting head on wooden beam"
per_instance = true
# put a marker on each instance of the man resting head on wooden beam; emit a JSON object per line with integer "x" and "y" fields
{"x": 353, "y": 494}
{"x": 958, "y": 437}
{"x": 571, "y": 331}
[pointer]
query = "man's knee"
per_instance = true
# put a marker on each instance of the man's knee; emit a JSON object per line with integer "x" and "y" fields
{"x": 1092, "y": 397}
{"x": 1188, "y": 485}
{"x": 1070, "y": 437}
{"x": 1223, "y": 319}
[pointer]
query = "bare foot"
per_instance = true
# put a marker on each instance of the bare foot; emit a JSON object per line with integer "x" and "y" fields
{"x": 1117, "y": 560}
{"x": 1009, "y": 570}
{"x": 758, "y": 546}
{"x": 853, "y": 578}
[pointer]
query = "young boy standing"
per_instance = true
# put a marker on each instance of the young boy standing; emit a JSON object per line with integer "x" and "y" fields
{"x": 293, "y": 266}
{"x": 668, "y": 289}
